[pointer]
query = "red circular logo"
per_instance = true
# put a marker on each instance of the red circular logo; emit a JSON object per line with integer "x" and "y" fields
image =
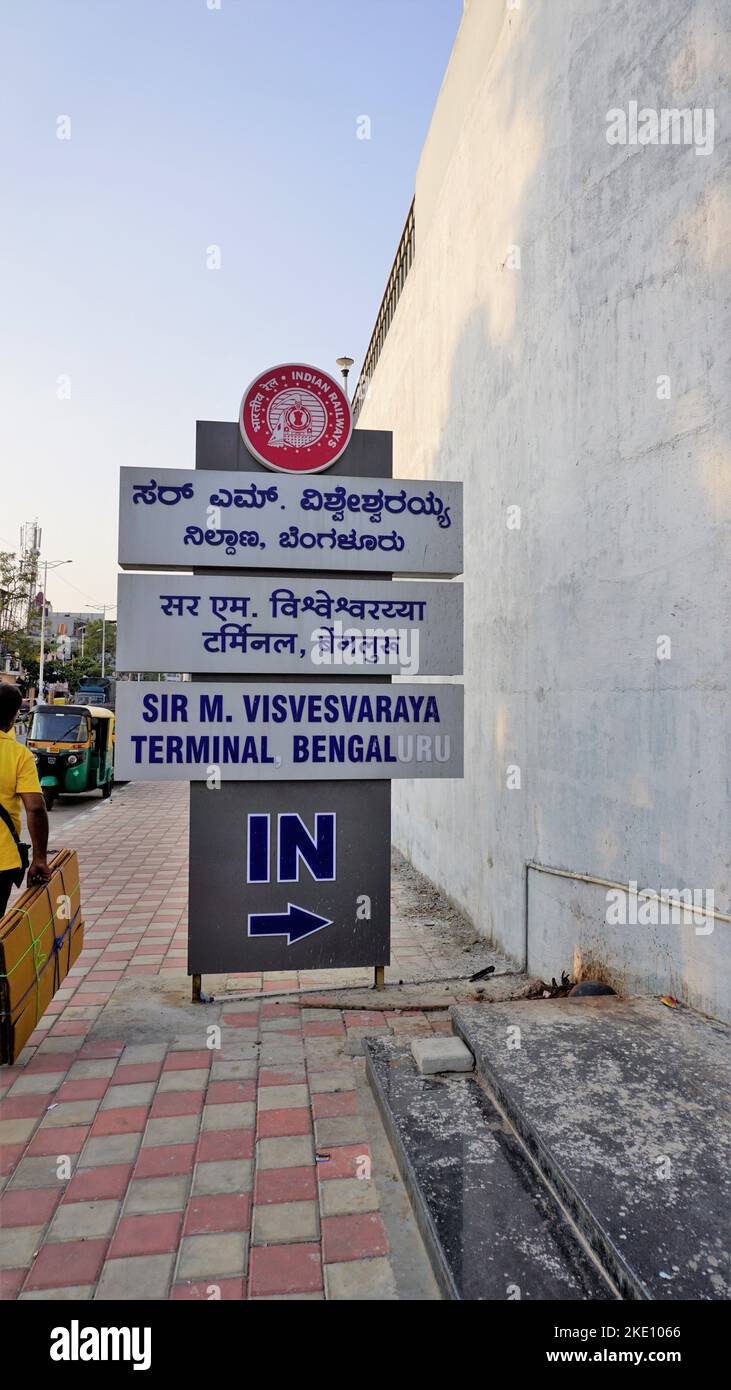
{"x": 295, "y": 418}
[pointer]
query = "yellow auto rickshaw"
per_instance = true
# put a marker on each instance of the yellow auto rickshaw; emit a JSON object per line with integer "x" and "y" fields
{"x": 73, "y": 746}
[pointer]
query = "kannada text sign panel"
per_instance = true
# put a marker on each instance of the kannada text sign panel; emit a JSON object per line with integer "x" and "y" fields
{"x": 177, "y": 518}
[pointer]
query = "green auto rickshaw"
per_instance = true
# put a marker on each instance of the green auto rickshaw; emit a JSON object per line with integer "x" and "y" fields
{"x": 73, "y": 746}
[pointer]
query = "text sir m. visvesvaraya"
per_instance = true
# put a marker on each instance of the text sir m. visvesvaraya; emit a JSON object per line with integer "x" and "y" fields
{"x": 281, "y": 710}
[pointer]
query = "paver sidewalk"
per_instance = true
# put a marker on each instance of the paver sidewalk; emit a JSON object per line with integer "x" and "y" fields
{"x": 236, "y": 1165}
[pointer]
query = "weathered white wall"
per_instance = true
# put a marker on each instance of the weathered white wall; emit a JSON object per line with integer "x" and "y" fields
{"x": 538, "y": 388}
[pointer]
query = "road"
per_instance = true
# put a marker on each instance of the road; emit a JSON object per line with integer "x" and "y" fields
{"x": 67, "y": 808}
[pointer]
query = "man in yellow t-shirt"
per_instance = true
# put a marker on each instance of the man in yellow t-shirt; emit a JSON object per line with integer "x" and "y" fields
{"x": 19, "y": 783}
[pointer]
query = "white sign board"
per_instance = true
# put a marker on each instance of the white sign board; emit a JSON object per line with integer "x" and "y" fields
{"x": 176, "y": 518}
{"x": 291, "y": 731}
{"x": 259, "y": 623}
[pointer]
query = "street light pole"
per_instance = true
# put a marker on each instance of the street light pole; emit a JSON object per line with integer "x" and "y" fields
{"x": 42, "y": 659}
{"x": 104, "y": 607}
{"x": 54, "y": 564}
{"x": 345, "y": 363}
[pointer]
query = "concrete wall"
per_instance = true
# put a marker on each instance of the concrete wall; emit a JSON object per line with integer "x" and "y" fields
{"x": 538, "y": 387}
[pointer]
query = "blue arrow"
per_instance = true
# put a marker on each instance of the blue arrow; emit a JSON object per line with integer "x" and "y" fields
{"x": 295, "y": 923}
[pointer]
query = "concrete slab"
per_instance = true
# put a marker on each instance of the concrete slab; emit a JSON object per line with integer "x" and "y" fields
{"x": 621, "y": 1103}
{"x": 433, "y": 1055}
{"x": 492, "y": 1229}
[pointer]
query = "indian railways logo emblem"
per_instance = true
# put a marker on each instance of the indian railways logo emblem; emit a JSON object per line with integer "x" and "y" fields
{"x": 295, "y": 419}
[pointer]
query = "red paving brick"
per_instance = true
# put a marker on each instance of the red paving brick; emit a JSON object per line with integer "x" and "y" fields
{"x": 276, "y": 1124}
{"x": 50, "y": 1062}
{"x": 283, "y": 1269}
{"x": 10, "y": 1157}
{"x": 165, "y": 1160}
{"x": 230, "y": 1092}
{"x": 224, "y": 1212}
{"x": 226, "y": 1143}
{"x": 64, "y": 1263}
{"x": 29, "y": 1206}
{"x": 285, "y": 1185}
{"x": 129, "y": 1120}
{"x": 82, "y": 1090}
{"x": 59, "y": 1140}
{"x": 132, "y": 1074}
{"x": 176, "y": 1103}
{"x": 268, "y": 1076}
{"x": 344, "y": 1161}
{"x": 324, "y": 1028}
{"x": 188, "y": 1061}
{"x": 329, "y": 1104}
{"x": 23, "y": 1107}
{"x": 151, "y": 1234}
{"x": 107, "y": 1181}
{"x": 11, "y": 1282}
{"x": 358, "y": 1237}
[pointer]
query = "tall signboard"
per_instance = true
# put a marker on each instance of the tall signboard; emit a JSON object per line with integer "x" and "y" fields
{"x": 291, "y": 628}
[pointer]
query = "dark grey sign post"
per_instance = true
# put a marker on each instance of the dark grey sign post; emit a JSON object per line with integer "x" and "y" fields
{"x": 290, "y": 729}
{"x": 289, "y": 875}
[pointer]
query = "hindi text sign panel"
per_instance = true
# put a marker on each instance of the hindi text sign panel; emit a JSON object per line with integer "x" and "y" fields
{"x": 253, "y": 623}
{"x": 192, "y": 731}
{"x": 184, "y": 519}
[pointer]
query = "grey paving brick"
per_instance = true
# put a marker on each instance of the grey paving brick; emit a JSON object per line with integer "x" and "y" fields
{"x": 361, "y": 1280}
{"x": 146, "y": 1195}
{"x": 279, "y": 1222}
{"x": 233, "y": 1070}
{"x": 84, "y": 1220}
{"x": 16, "y": 1131}
{"x": 40, "y": 1172}
{"x": 222, "y": 1175}
{"x": 210, "y": 1257}
{"x": 343, "y": 1196}
{"x": 340, "y": 1129}
{"x": 91, "y": 1068}
{"x": 143, "y": 1277}
{"x": 36, "y": 1083}
{"x": 282, "y": 1097}
{"x": 335, "y": 1079}
{"x": 70, "y": 1112}
{"x": 237, "y": 1115}
{"x": 177, "y": 1129}
{"x": 110, "y": 1148}
{"x": 183, "y": 1080}
{"x": 120, "y": 1097}
{"x": 297, "y": 1152}
{"x": 18, "y": 1245}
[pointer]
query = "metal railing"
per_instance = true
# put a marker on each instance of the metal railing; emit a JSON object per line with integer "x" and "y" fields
{"x": 402, "y": 264}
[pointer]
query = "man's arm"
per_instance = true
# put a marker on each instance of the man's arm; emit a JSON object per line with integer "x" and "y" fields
{"x": 37, "y": 817}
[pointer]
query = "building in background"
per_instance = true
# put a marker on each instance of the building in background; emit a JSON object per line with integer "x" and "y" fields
{"x": 552, "y": 335}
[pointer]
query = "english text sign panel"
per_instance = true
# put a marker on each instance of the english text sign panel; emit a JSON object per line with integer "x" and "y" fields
{"x": 233, "y": 625}
{"x": 193, "y": 731}
{"x": 180, "y": 519}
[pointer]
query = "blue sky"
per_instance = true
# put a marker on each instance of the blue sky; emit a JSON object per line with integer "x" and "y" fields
{"x": 190, "y": 128}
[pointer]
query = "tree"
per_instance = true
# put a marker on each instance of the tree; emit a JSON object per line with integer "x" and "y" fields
{"x": 17, "y": 579}
{"x": 93, "y": 645}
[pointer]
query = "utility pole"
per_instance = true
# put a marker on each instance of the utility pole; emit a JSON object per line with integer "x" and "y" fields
{"x": 47, "y": 564}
